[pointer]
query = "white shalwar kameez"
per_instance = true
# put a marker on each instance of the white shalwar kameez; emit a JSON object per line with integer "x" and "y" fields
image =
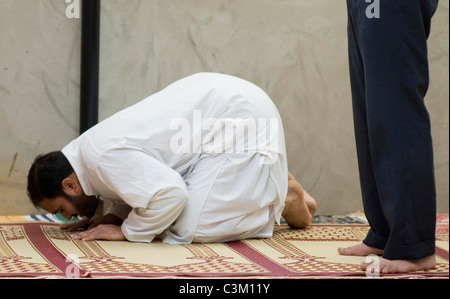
{"x": 178, "y": 165}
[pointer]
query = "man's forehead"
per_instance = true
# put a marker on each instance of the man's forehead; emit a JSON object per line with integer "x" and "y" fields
{"x": 50, "y": 205}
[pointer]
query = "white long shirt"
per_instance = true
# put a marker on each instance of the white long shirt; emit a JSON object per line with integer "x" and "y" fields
{"x": 138, "y": 157}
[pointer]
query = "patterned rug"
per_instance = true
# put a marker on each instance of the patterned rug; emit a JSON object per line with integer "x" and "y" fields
{"x": 41, "y": 249}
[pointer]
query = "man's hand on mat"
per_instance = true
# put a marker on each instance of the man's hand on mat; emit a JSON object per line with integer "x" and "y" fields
{"x": 88, "y": 223}
{"x": 109, "y": 232}
{"x": 76, "y": 225}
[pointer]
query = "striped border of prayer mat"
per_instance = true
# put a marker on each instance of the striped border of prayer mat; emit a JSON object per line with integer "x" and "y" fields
{"x": 41, "y": 249}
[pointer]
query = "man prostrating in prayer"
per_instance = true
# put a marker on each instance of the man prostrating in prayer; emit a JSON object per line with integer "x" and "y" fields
{"x": 203, "y": 160}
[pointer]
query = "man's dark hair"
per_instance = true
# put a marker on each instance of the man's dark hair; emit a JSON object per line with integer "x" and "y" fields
{"x": 46, "y": 175}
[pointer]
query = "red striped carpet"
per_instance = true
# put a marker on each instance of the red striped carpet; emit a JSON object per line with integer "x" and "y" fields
{"x": 41, "y": 249}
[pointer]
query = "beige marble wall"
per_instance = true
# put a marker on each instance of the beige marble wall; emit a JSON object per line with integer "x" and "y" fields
{"x": 295, "y": 50}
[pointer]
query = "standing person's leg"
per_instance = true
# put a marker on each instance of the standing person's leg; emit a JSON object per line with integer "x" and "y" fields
{"x": 394, "y": 138}
{"x": 379, "y": 232}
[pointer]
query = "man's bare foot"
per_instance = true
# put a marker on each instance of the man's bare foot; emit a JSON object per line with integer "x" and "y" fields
{"x": 299, "y": 205}
{"x": 403, "y": 266}
{"x": 389, "y": 266}
{"x": 310, "y": 202}
{"x": 360, "y": 250}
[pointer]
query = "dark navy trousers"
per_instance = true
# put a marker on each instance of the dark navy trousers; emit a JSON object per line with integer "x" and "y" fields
{"x": 389, "y": 79}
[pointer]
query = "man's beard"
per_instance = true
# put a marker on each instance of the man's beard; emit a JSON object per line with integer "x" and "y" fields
{"x": 86, "y": 206}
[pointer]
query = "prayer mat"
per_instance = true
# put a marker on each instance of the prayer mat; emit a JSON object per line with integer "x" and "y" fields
{"x": 41, "y": 249}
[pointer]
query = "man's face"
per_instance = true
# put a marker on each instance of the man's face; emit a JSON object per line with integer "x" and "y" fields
{"x": 69, "y": 206}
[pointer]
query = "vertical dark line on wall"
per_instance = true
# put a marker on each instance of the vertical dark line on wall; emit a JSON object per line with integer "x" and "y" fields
{"x": 90, "y": 62}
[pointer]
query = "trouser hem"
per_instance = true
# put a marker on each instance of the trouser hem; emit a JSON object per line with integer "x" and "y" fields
{"x": 374, "y": 240}
{"x": 411, "y": 251}
{"x": 399, "y": 251}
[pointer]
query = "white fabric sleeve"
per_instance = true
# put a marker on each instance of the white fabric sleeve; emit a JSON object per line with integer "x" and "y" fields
{"x": 156, "y": 193}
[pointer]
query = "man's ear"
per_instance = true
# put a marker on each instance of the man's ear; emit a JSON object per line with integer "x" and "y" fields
{"x": 71, "y": 186}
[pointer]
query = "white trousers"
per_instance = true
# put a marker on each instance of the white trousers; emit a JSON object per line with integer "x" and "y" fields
{"x": 232, "y": 196}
